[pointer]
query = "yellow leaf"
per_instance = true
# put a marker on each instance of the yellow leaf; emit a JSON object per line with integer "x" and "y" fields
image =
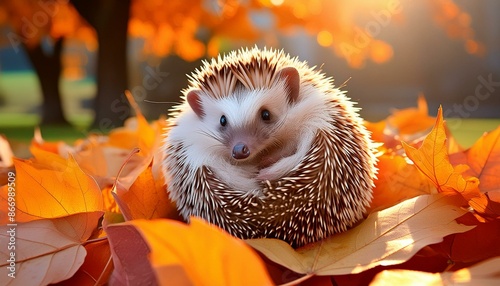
{"x": 387, "y": 237}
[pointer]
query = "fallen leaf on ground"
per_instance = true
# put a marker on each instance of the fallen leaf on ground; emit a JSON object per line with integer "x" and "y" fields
{"x": 46, "y": 251}
{"x": 433, "y": 161}
{"x": 42, "y": 192}
{"x": 484, "y": 273}
{"x": 397, "y": 180}
{"x": 97, "y": 267}
{"x": 484, "y": 161}
{"x": 203, "y": 251}
{"x": 147, "y": 198}
{"x": 387, "y": 237}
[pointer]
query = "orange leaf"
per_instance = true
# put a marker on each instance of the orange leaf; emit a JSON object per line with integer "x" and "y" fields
{"x": 432, "y": 160}
{"x": 397, "y": 181}
{"x": 484, "y": 161}
{"x": 38, "y": 142}
{"x": 97, "y": 267}
{"x": 410, "y": 121}
{"x": 227, "y": 260}
{"x": 147, "y": 198}
{"x": 44, "y": 192}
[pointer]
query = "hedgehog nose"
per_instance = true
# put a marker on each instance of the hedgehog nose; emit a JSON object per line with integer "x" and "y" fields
{"x": 240, "y": 151}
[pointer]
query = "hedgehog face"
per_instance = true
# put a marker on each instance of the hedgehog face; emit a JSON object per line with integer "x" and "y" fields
{"x": 247, "y": 123}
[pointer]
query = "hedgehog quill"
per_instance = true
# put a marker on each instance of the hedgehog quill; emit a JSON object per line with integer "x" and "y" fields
{"x": 265, "y": 146}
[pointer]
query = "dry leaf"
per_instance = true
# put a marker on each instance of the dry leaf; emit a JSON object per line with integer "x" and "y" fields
{"x": 46, "y": 251}
{"x": 432, "y": 160}
{"x": 387, "y": 237}
{"x": 147, "y": 198}
{"x": 42, "y": 192}
{"x": 97, "y": 267}
{"x": 484, "y": 273}
{"x": 484, "y": 161}
{"x": 130, "y": 256}
{"x": 411, "y": 121}
{"x": 208, "y": 255}
{"x": 396, "y": 181}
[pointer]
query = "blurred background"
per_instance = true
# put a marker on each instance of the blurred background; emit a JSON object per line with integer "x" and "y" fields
{"x": 69, "y": 61}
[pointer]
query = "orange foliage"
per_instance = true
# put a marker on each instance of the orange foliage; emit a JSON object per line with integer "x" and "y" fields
{"x": 204, "y": 252}
{"x": 62, "y": 193}
{"x": 456, "y": 23}
{"x": 194, "y": 29}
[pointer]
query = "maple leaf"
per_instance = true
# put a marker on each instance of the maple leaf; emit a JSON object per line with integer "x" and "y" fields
{"x": 195, "y": 253}
{"x": 387, "y": 237}
{"x": 433, "y": 161}
{"x": 46, "y": 192}
{"x": 396, "y": 181}
{"x": 47, "y": 250}
{"x": 484, "y": 161}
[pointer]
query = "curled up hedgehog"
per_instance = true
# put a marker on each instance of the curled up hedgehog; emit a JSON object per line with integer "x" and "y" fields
{"x": 265, "y": 146}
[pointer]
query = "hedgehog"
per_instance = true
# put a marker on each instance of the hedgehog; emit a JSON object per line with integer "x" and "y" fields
{"x": 264, "y": 146}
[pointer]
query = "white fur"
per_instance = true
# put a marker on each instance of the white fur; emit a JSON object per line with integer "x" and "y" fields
{"x": 303, "y": 119}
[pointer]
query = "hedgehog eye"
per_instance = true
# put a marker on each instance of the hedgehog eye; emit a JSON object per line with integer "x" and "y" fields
{"x": 223, "y": 120}
{"x": 266, "y": 115}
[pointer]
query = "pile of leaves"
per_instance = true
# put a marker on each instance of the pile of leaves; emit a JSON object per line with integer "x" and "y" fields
{"x": 97, "y": 212}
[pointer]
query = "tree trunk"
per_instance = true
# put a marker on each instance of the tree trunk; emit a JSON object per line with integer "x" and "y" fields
{"x": 110, "y": 20}
{"x": 48, "y": 69}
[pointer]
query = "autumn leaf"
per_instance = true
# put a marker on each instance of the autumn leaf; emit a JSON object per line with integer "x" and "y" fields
{"x": 484, "y": 161}
{"x": 474, "y": 245}
{"x": 206, "y": 254}
{"x": 38, "y": 143}
{"x": 97, "y": 267}
{"x": 130, "y": 256}
{"x": 432, "y": 160}
{"x": 147, "y": 198}
{"x": 47, "y": 250}
{"x": 387, "y": 237}
{"x": 43, "y": 192}
{"x": 484, "y": 273}
{"x": 409, "y": 124}
{"x": 396, "y": 181}
{"x": 411, "y": 121}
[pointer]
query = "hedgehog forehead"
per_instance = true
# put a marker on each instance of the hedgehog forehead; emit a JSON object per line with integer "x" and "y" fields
{"x": 253, "y": 69}
{"x": 244, "y": 106}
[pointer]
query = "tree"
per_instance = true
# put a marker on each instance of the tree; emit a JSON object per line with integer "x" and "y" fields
{"x": 194, "y": 29}
{"x": 110, "y": 20}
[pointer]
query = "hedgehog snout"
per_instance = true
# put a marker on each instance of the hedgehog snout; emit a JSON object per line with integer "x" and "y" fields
{"x": 240, "y": 151}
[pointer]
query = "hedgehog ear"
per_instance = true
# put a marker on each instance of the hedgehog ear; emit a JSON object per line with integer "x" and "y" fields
{"x": 194, "y": 100}
{"x": 292, "y": 82}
